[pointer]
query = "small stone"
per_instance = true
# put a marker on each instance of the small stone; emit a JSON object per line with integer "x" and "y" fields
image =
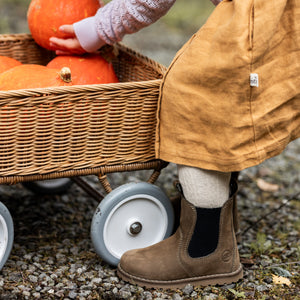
{"x": 33, "y": 278}
{"x": 26, "y": 293}
{"x": 72, "y": 268}
{"x": 22, "y": 287}
{"x": 59, "y": 294}
{"x": 124, "y": 294}
{"x": 72, "y": 295}
{"x": 28, "y": 256}
{"x": 84, "y": 294}
{"x": 36, "y": 295}
{"x": 51, "y": 282}
{"x": 188, "y": 289}
{"x": 86, "y": 287}
{"x": 114, "y": 279}
{"x": 65, "y": 198}
{"x": 31, "y": 269}
{"x": 176, "y": 297}
{"x": 211, "y": 296}
{"x": 53, "y": 276}
{"x": 38, "y": 265}
{"x": 107, "y": 286}
{"x": 71, "y": 285}
{"x": 79, "y": 271}
{"x": 264, "y": 263}
{"x": 59, "y": 285}
{"x": 229, "y": 286}
{"x": 261, "y": 288}
{"x": 147, "y": 295}
{"x": 36, "y": 259}
{"x": 45, "y": 289}
{"x": 59, "y": 256}
{"x": 89, "y": 275}
{"x": 74, "y": 251}
{"x": 194, "y": 294}
{"x": 96, "y": 281}
{"x": 43, "y": 275}
{"x": 81, "y": 279}
{"x": 207, "y": 289}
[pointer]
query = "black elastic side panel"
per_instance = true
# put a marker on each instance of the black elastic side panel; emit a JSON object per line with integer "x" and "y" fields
{"x": 206, "y": 233}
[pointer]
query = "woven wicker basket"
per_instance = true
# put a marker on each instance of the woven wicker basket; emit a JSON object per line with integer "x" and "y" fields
{"x": 78, "y": 130}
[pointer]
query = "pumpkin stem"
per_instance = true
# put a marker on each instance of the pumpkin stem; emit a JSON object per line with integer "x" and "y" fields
{"x": 65, "y": 74}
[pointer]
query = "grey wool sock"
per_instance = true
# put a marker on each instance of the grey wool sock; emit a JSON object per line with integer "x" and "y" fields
{"x": 204, "y": 188}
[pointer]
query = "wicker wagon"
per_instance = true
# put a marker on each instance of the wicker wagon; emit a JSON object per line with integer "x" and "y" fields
{"x": 50, "y": 137}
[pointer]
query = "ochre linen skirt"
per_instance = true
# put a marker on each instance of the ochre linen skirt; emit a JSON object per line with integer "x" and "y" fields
{"x": 231, "y": 97}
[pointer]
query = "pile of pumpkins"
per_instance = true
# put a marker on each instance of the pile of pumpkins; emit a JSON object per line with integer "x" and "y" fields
{"x": 44, "y": 18}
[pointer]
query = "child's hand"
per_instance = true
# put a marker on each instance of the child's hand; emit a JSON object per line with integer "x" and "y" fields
{"x": 68, "y": 45}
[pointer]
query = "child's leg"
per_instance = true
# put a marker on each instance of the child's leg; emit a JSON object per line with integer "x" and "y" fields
{"x": 203, "y": 250}
{"x": 204, "y": 188}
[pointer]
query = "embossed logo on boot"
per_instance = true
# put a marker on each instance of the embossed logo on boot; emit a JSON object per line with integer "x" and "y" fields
{"x": 226, "y": 255}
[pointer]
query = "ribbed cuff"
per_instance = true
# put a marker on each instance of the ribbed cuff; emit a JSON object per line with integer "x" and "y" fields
{"x": 87, "y": 35}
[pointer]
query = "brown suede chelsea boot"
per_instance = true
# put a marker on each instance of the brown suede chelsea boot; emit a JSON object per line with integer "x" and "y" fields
{"x": 203, "y": 251}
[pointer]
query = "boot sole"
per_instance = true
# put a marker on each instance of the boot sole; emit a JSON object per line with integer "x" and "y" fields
{"x": 216, "y": 279}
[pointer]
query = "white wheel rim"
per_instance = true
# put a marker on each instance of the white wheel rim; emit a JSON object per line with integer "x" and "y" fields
{"x": 3, "y": 237}
{"x": 53, "y": 183}
{"x": 144, "y": 209}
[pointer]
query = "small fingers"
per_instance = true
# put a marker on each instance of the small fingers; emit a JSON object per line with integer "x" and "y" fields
{"x": 61, "y": 43}
{"x": 68, "y": 30}
{"x": 70, "y": 45}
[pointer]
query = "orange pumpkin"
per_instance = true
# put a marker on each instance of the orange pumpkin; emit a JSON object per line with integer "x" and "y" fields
{"x": 33, "y": 76}
{"x": 86, "y": 69}
{"x": 46, "y": 16}
{"x": 7, "y": 63}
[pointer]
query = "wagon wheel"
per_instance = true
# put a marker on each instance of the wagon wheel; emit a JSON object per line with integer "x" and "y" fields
{"x": 134, "y": 215}
{"x": 51, "y": 186}
{"x": 6, "y": 234}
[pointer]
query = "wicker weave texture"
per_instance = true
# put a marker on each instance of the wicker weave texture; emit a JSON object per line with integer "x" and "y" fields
{"x": 78, "y": 127}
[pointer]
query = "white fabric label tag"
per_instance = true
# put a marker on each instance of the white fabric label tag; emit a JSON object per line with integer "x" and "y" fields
{"x": 254, "y": 79}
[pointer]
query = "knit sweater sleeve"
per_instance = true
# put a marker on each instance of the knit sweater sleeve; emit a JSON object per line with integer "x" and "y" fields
{"x": 118, "y": 18}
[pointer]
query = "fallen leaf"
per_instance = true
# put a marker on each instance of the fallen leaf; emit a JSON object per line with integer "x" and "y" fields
{"x": 281, "y": 280}
{"x": 266, "y": 186}
{"x": 264, "y": 171}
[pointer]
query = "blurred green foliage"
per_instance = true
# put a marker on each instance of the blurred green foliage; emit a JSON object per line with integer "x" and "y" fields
{"x": 13, "y": 16}
{"x": 188, "y": 15}
{"x": 185, "y": 15}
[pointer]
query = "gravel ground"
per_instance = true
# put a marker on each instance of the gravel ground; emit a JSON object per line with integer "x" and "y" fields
{"x": 53, "y": 256}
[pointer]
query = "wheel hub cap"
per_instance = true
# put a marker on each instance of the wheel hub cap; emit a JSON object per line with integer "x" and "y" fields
{"x": 135, "y": 228}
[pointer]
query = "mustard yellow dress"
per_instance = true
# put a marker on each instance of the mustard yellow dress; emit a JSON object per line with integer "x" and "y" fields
{"x": 231, "y": 97}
